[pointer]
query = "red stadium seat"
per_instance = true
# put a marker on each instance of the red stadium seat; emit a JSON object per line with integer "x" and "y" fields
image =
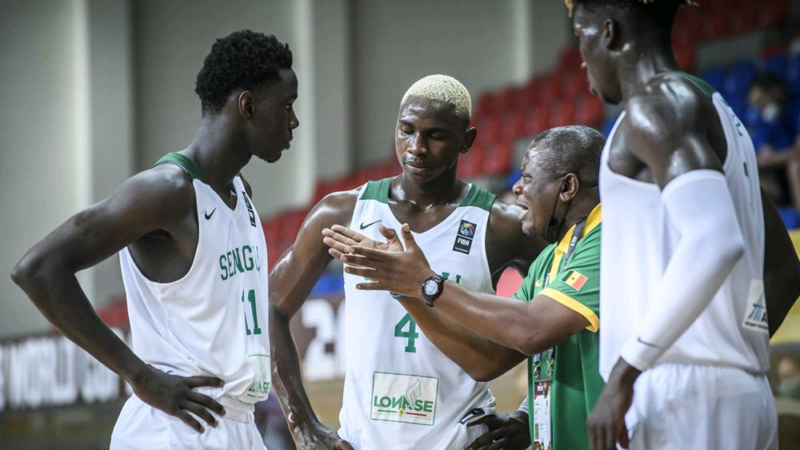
{"x": 537, "y": 119}
{"x": 685, "y": 57}
{"x": 486, "y": 104}
{"x": 562, "y": 113}
{"x": 531, "y": 93}
{"x": 498, "y": 160}
{"x": 469, "y": 164}
{"x": 745, "y": 18}
{"x": 590, "y": 111}
{"x": 772, "y": 13}
{"x": 510, "y": 100}
{"x": 569, "y": 61}
{"x": 715, "y": 26}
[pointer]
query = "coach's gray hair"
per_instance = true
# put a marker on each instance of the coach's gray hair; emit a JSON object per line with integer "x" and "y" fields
{"x": 574, "y": 149}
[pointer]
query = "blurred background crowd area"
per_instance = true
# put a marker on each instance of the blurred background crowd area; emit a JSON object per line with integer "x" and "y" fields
{"x": 94, "y": 91}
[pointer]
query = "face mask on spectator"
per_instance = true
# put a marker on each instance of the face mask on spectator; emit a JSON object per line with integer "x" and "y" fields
{"x": 771, "y": 113}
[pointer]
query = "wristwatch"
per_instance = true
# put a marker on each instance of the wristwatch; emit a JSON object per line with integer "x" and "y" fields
{"x": 431, "y": 289}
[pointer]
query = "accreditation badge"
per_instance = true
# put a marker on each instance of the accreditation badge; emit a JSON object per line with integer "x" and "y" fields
{"x": 540, "y": 371}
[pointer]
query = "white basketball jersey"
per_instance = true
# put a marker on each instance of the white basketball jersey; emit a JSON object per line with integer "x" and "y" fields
{"x": 213, "y": 321}
{"x": 639, "y": 240}
{"x": 400, "y": 391}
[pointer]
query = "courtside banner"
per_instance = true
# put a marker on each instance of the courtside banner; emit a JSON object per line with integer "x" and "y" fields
{"x": 50, "y": 370}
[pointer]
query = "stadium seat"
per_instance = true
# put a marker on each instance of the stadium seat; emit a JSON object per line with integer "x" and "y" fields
{"x": 684, "y": 55}
{"x": 744, "y": 19}
{"x": 715, "y": 26}
{"x": 608, "y": 126}
{"x": 790, "y": 217}
{"x": 776, "y": 64}
{"x": 738, "y": 80}
{"x": 531, "y": 92}
{"x": 569, "y": 61}
{"x": 772, "y": 13}
{"x": 715, "y": 77}
{"x": 738, "y": 104}
{"x": 590, "y": 110}
{"x": 793, "y": 75}
{"x": 469, "y": 164}
{"x": 498, "y": 160}
{"x": 486, "y": 105}
{"x": 562, "y": 113}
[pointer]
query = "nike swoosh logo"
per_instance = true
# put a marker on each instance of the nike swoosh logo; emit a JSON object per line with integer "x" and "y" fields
{"x": 647, "y": 343}
{"x": 362, "y": 226}
{"x": 208, "y": 215}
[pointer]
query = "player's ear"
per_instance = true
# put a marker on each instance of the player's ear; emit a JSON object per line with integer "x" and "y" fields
{"x": 469, "y": 139}
{"x": 245, "y": 102}
{"x": 569, "y": 187}
{"x": 610, "y": 33}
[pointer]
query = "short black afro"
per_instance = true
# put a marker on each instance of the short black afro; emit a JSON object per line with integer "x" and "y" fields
{"x": 658, "y": 14}
{"x": 242, "y": 60}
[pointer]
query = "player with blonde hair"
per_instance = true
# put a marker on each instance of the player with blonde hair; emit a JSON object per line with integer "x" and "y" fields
{"x": 400, "y": 390}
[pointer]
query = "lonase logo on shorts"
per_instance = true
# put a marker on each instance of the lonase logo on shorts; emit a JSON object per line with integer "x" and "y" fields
{"x": 404, "y": 398}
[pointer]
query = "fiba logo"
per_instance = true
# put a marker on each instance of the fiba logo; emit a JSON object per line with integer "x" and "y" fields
{"x": 466, "y": 229}
{"x": 464, "y": 236}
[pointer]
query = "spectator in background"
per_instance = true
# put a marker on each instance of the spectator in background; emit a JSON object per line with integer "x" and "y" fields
{"x": 775, "y": 139}
{"x": 789, "y": 377}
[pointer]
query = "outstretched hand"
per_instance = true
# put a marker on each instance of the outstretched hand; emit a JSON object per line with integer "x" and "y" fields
{"x": 387, "y": 266}
{"x": 340, "y": 239}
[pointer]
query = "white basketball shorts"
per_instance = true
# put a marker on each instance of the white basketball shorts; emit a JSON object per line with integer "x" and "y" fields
{"x": 683, "y": 406}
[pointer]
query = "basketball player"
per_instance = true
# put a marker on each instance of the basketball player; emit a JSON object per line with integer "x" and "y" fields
{"x": 400, "y": 391}
{"x": 557, "y": 321}
{"x": 683, "y": 249}
{"x": 193, "y": 259}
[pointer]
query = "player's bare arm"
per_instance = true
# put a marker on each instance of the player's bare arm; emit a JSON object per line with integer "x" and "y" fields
{"x": 154, "y": 213}
{"x": 528, "y": 328}
{"x": 781, "y": 267}
{"x": 481, "y": 358}
{"x": 291, "y": 281}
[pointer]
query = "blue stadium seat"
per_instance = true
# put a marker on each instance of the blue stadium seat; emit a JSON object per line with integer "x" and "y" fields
{"x": 512, "y": 179}
{"x": 793, "y": 75}
{"x": 738, "y": 104}
{"x": 608, "y": 126}
{"x": 790, "y": 217}
{"x": 738, "y": 80}
{"x": 777, "y": 64}
{"x": 715, "y": 77}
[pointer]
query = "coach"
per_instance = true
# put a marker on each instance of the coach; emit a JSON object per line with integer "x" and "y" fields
{"x": 556, "y": 325}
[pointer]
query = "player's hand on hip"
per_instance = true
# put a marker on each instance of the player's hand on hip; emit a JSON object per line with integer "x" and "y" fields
{"x": 506, "y": 432}
{"x": 175, "y": 396}
{"x": 401, "y": 272}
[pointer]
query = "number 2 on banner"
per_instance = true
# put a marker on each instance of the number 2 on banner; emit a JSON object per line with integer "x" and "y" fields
{"x": 411, "y": 334}
{"x": 251, "y": 297}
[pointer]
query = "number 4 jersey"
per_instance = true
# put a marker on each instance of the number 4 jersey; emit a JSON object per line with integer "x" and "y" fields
{"x": 212, "y": 321}
{"x": 400, "y": 391}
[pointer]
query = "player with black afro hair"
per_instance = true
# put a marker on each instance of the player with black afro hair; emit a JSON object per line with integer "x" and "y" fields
{"x": 242, "y": 60}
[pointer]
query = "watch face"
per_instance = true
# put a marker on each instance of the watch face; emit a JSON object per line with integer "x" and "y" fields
{"x": 430, "y": 287}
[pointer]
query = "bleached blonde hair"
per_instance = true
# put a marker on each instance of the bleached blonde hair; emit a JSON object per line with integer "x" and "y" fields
{"x": 444, "y": 89}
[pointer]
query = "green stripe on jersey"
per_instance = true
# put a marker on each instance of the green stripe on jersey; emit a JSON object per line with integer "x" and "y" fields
{"x": 479, "y": 198}
{"x": 377, "y": 190}
{"x": 184, "y": 162}
{"x": 699, "y": 82}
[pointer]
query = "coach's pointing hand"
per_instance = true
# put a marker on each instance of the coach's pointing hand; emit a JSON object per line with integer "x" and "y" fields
{"x": 399, "y": 272}
{"x": 176, "y": 396}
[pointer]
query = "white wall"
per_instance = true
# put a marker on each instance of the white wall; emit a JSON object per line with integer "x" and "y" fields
{"x": 172, "y": 40}
{"x": 41, "y": 148}
{"x": 397, "y": 43}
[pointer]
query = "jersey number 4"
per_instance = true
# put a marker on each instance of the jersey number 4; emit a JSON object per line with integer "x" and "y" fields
{"x": 411, "y": 334}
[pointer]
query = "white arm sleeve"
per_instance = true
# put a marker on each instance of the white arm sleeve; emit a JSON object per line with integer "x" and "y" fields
{"x": 700, "y": 206}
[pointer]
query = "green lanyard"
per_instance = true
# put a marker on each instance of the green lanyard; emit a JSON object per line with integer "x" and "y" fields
{"x": 540, "y": 380}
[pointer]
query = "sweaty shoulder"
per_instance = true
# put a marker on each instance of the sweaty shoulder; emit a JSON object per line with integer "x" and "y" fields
{"x": 164, "y": 192}
{"x": 334, "y": 208}
{"x": 672, "y": 127}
